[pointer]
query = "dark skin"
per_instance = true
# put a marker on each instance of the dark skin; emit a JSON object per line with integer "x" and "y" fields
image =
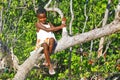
{"x": 47, "y": 48}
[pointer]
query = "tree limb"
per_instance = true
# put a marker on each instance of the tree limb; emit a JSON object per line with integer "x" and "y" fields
{"x": 91, "y": 35}
{"x": 53, "y": 9}
{"x": 1, "y": 12}
{"x": 24, "y": 69}
{"x": 70, "y": 32}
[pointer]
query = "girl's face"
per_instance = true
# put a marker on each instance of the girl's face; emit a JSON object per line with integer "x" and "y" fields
{"x": 42, "y": 17}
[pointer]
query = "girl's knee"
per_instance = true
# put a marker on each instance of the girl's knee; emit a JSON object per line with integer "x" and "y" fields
{"x": 44, "y": 45}
{"x": 51, "y": 39}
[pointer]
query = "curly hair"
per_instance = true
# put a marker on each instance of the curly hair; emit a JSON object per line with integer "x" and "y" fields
{"x": 41, "y": 11}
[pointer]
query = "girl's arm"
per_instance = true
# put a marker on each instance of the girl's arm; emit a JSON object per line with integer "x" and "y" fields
{"x": 51, "y": 29}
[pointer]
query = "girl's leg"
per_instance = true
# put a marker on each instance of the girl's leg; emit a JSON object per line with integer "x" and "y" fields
{"x": 47, "y": 57}
{"x": 46, "y": 53}
{"x": 51, "y": 44}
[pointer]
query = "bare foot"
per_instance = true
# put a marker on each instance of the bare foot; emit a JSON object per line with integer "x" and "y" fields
{"x": 45, "y": 63}
{"x": 51, "y": 70}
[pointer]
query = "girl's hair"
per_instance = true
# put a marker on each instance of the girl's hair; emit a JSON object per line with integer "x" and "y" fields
{"x": 41, "y": 11}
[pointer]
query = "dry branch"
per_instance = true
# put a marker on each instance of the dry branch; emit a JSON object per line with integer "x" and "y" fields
{"x": 91, "y": 35}
{"x": 102, "y": 39}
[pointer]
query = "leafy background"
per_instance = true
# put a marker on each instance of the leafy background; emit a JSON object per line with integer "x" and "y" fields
{"x": 19, "y": 31}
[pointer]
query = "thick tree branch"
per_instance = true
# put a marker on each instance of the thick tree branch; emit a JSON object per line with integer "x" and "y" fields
{"x": 53, "y": 9}
{"x": 91, "y": 35}
{"x": 24, "y": 69}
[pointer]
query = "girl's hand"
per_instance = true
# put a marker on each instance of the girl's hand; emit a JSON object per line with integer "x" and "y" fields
{"x": 63, "y": 20}
{"x": 63, "y": 25}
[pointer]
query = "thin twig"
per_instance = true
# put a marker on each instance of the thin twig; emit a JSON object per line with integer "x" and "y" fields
{"x": 7, "y": 12}
{"x": 72, "y": 18}
{"x": 86, "y": 17}
{"x": 100, "y": 50}
{"x": 107, "y": 47}
{"x": 70, "y": 32}
{"x": 1, "y": 12}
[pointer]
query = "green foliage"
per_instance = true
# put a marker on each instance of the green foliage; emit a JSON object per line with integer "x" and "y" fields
{"x": 19, "y": 32}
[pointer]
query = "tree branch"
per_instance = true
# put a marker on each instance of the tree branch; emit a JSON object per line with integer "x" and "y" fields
{"x": 91, "y": 35}
{"x": 70, "y": 32}
{"x": 53, "y": 9}
{"x": 100, "y": 49}
{"x": 24, "y": 69}
{"x": 1, "y": 12}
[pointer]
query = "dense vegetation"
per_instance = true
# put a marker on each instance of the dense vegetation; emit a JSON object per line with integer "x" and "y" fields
{"x": 19, "y": 32}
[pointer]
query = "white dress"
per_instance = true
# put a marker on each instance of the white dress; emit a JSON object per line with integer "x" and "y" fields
{"x": 44, "y": 36}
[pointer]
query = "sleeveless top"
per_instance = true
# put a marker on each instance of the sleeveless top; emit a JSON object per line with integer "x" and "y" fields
{"x": 44, "y": 36}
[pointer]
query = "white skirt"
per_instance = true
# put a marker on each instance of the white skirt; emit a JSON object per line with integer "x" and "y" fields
{"x": 43, "y": 36}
